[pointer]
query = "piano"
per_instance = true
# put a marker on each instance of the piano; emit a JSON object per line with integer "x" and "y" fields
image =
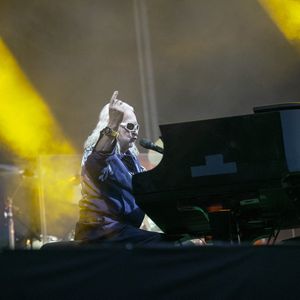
{"x": 233, "y": 179}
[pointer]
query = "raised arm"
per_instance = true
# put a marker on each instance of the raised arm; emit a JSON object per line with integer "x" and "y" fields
{"x": 116, "y": 112}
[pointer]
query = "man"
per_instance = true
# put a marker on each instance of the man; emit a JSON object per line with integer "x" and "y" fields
{"x": 108, "y": 212}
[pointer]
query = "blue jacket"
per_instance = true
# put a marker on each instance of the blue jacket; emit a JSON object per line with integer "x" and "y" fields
{"x": 107, "y": 203}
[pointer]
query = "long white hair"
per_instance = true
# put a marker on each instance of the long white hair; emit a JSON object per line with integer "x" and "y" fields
{"x": 92, "y": 139}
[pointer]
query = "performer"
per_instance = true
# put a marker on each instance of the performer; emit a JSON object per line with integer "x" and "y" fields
{"x": 108, "y": 212}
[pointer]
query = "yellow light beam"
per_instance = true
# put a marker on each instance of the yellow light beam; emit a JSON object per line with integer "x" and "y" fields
{"x": 27, "y": 126}
{"x": 286, "y": 15}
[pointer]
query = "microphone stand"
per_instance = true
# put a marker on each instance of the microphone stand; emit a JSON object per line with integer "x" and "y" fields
{"x": 8, "y": 214}
{"x": 11, "y": 226}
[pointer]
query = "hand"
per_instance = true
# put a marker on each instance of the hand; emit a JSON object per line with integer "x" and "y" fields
{"x": 117, "y": 108}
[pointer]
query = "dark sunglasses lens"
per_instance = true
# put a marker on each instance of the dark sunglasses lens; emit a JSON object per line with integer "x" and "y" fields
{"x": 130, "y": 126}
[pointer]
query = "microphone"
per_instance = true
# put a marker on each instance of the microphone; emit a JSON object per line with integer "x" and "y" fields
{"x": 147, "y": 144}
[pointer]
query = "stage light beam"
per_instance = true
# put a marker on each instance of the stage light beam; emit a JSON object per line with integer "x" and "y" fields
{"x": 27, "y": 126}
{"x": 286, "y": 15}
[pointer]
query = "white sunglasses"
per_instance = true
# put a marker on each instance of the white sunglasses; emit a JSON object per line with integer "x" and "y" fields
{"x": 130, "y": 126}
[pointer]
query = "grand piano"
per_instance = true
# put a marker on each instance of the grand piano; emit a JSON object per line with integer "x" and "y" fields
{"x": 231, "y": 179}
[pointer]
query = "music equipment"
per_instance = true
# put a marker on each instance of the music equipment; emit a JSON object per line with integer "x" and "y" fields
{"x": 234, "y": 178}
{"x": 147, "y": 144}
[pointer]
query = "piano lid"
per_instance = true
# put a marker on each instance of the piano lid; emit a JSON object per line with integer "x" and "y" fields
{"x": 216, "y": 152}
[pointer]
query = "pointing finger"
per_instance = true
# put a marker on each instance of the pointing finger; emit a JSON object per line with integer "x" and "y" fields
{"x": 114, "y": 97}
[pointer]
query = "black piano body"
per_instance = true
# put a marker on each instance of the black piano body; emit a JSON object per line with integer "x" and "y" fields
{"x": 236, "y": 176}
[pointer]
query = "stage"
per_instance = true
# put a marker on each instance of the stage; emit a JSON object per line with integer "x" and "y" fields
{"x": 210, "y": 272}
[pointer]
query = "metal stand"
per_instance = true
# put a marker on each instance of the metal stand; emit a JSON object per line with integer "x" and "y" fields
{"x": 11, "y": 212}
{"x": 8, "y": 214}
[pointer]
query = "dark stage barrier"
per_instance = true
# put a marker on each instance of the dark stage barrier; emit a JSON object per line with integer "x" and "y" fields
{"x": 263, "y": 272}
